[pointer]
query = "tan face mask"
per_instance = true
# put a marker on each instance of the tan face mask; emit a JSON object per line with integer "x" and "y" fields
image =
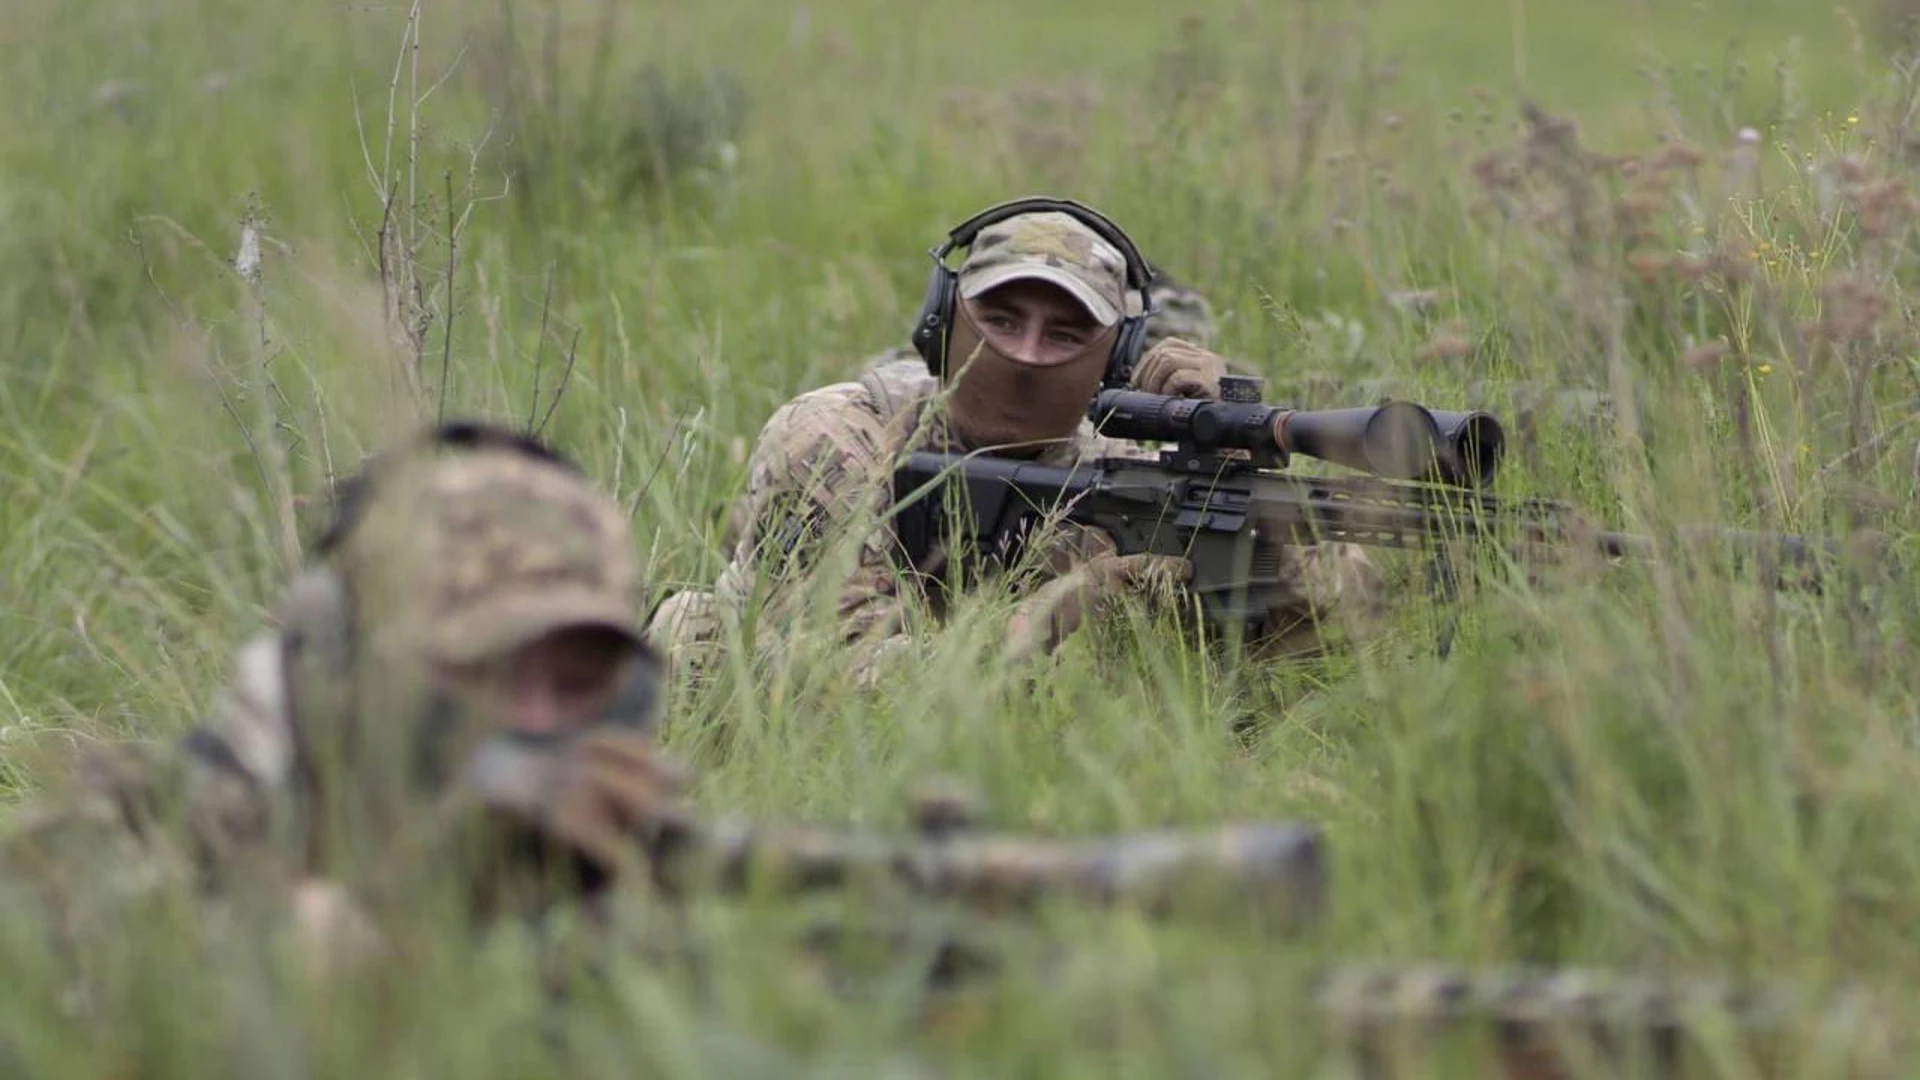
{"x": 1018, "y": 409}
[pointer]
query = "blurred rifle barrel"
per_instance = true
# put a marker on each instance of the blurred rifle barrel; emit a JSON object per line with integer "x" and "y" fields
{"x": 1275, "y": 866}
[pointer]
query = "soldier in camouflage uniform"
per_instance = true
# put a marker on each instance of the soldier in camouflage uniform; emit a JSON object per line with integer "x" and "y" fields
{"x": 475, "y": 592}
{"x": 1039, "y": 299}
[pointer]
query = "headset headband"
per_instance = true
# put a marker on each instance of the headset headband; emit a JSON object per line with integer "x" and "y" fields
{"x": 351, "y": 493}
{"x": 931, "y": 326}
{"x": 1139, "y": 272}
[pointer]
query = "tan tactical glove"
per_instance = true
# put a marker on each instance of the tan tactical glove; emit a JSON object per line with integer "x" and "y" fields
{"x": 1181, "y": 369}
{"x": 615, "y": 791}
{"x": 606, "y": 795}
{"x": 1057, "y": 609}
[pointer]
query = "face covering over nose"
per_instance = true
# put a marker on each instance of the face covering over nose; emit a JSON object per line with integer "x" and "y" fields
{"x": 1017, "y": 409}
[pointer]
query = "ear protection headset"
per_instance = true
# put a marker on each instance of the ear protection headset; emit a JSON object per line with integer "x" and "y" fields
{"x": 935, "y": 322}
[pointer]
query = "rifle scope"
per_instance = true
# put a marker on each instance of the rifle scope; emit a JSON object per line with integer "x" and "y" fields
{"x": 1396, "y": 440}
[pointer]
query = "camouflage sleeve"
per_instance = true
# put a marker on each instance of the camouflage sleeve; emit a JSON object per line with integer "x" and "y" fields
{"x": 131, "y": 821}
{"x": 134, "y": 815}
{"x": 820, "y": 476}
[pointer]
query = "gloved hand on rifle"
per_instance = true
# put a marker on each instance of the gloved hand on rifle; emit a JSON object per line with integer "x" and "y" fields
{"x": 606, "y": 797}
{"x": 1180, "y": 369}
{"x": 1043, "y": 620}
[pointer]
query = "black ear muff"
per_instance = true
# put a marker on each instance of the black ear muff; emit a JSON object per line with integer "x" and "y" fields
{"x": 936, "y": 313}
{"x": 932, "y": 327}
{"x": 482, "y": 435}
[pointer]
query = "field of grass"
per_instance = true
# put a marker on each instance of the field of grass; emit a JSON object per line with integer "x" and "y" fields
{"x": 243, "y": 244}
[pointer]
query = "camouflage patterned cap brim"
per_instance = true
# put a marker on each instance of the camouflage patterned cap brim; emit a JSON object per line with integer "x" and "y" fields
{"x": 508, "y": 622}
{"x": 1102, "y": 310}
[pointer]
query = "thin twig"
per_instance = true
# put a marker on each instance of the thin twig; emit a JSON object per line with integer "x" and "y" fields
{"x": 665, "y": 452}
{"x": 446, "y": 335}
{"x": 180, "y": 318}
{"x": 384, "y": 236}
{"x": 413, "y": 110}
{"x": 540, "y": 349}
{"x": 566, "y": 374}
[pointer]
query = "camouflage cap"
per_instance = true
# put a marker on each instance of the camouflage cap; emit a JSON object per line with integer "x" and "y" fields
{"x": 475, "y": 553}
{"x": 1053, "y": 247}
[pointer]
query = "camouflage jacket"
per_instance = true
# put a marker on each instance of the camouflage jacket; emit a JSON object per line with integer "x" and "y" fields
{"x": 822, "y": 469}
{"x": 216, "y": 781}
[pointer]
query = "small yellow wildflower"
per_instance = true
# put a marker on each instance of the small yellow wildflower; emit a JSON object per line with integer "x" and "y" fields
{"x": 1853, "y": 119}
{"x": 1765, "y": 369}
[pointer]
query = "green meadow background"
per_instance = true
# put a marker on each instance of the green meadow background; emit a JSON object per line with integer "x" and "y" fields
{"x": 244, "y": 244}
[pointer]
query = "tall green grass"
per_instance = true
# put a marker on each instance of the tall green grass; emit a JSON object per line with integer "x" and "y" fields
{"x": 685, "y": 214}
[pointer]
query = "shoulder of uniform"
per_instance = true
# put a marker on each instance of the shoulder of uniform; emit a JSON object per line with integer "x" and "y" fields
{"x": 840, "y": 397}
{"x": 899, "y": 380}
{"x": 251, "y": 724}
{"x": 899, "y": 354}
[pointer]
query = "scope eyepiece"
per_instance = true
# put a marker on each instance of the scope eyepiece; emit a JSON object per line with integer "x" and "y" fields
{"x": 1470, "y": 447}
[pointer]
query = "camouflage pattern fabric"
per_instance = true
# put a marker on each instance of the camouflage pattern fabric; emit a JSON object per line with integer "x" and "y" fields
{"x": 1180, "y": 312}
{"x": 470, "y": 555}
{"x": 131, "y": 823}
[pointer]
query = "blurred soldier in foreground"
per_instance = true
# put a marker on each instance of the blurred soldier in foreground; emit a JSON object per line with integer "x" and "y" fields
{"x": 457, "y": 700}
{"x": 1051, "y": 302}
